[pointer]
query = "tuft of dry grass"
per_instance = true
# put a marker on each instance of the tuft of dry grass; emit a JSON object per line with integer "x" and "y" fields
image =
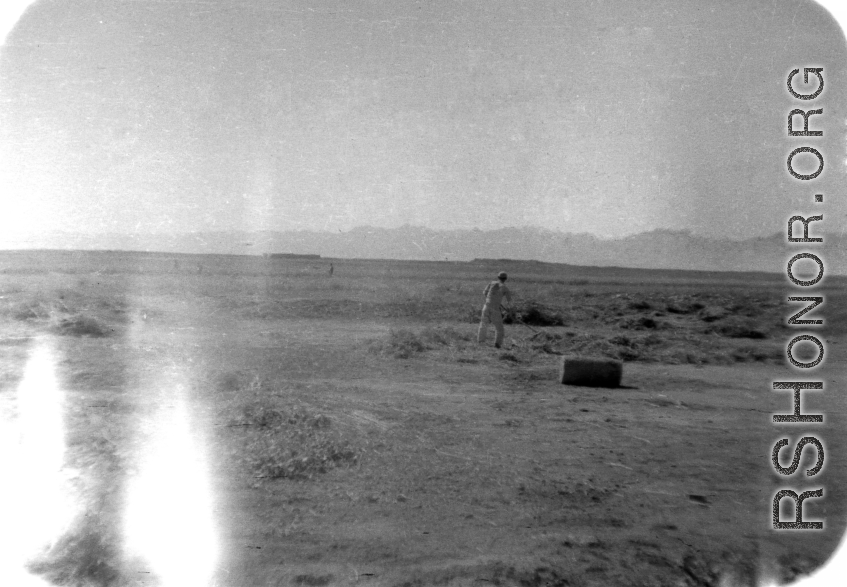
{"x": 642, "y": 323}
{"x": 81, "y": 325}
{"x": 66, "y": 312}
{"x": 402, "y": 343}
{"x": 86, "y": 555}
{"x": 631, "y": 326}
{"x": 653, "y": 347}
{"x": 534, "y": 314}
{"x": 739, "y": 327}
{"x": 292, "y": 444}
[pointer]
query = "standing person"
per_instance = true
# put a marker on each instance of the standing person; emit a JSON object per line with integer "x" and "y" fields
{"x": 494, "y": 294}
{"x": 331, "y": 269}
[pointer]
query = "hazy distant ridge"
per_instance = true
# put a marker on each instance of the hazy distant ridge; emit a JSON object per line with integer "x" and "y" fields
{"x": 659, "y": 249}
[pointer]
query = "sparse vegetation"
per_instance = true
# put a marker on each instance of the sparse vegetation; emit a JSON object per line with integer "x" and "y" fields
{"x": 65, "y": 312}
{"x": 402, "y": 343}
{"x": 534, "y": 314}
{"x": 292, "y": 444}
{"x": 87, "y": 555}
{"x": 79, "y": 325}
{"x": 467, "y": 464}
{"x": 628, "y": 329}
{"x": 739, "y": 327}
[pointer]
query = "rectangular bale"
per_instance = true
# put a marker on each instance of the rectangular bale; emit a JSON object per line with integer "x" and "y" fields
{"x": 590, "y": 372}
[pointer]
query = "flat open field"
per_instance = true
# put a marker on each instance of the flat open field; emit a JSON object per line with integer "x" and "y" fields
{"x": 240, "y": 421}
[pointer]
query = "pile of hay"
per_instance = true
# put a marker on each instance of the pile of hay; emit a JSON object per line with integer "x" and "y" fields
{"x": 80, "y": 325}
{"x": 739, "y": 327}
{"x": 534, "y": 314}
{"x": 402, "y": 343}
{"x": 292, "y": 444}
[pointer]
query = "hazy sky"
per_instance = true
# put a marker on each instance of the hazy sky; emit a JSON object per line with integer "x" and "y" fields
{"x": 609, "y": 117}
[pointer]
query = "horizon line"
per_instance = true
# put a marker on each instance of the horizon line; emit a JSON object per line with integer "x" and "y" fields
{"x": 300, "y": 257}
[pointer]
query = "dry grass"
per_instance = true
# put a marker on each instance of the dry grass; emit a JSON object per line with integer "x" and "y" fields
{"x": 66, "y": 311}
{"x": 639, "y": 334}
{"x": 86, "y": 555}
{"x": 416, "y": 443}
{"x": 402, "y": 343}
{"x": 689, "y": 323}
{"x": 81, "y": 325}
{"x": 291, "y": 443}
{"x": 533, "y": 313}
{"x": 673, "y": 347}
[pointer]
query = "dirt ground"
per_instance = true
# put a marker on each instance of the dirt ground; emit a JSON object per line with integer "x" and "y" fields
{"x": 349, "y": 429}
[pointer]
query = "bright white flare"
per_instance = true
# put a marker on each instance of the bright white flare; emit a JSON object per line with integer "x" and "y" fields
{"x": 10, "y": 12}
{"x": 169, "y": 504}
{"x": 35, "y": 507}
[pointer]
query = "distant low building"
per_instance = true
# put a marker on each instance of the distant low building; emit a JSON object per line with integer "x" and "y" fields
{"x": 293, "y": 256}
{"x": 485, "y": 260}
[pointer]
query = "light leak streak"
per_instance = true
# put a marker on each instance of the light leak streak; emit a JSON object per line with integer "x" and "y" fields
{"x": 35, "y": 506}
{"x": 10, "y": 13}
{"x": 169, "y": 520}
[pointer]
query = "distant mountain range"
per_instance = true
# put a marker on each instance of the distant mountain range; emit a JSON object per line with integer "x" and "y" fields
{"x": 658, "y": 249}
